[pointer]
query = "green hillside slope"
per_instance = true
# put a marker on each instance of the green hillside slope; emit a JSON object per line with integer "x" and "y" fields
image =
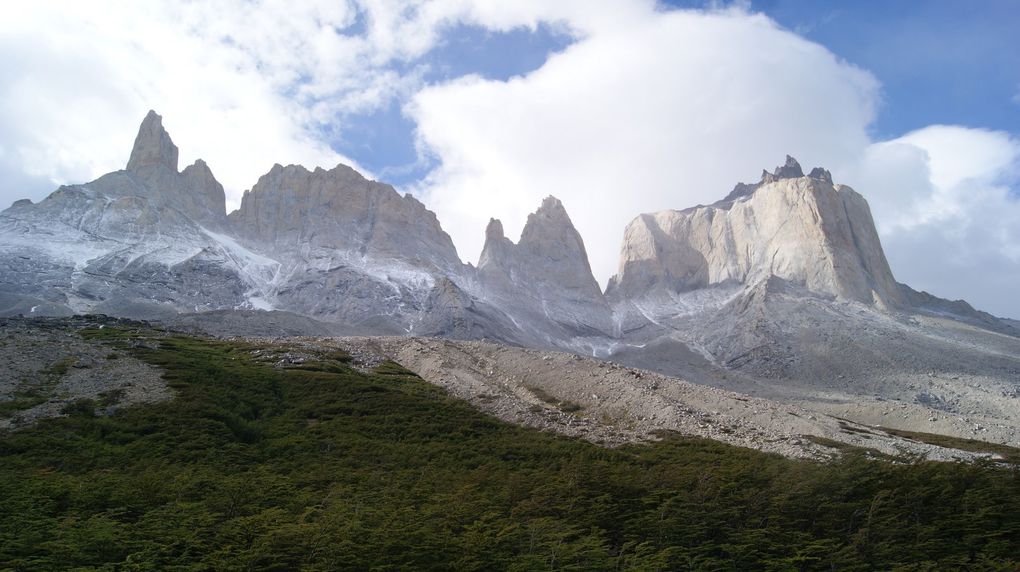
{"x": 316, "y": 466}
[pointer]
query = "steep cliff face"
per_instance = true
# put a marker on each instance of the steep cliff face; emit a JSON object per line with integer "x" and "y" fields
{"x": 545, "y": 278}
{"x": 801, "y": 229}
{"x": 782, "y": 279}
{"x": 142, "y": 241}
{"x": 292, "y": 208}
{"x": 352, "y": 251}
{"x": 751, "y": 282}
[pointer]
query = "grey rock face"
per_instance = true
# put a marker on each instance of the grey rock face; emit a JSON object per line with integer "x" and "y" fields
{"x": 139, "y": 242}
{"x": 152, "y": 172}
{"x": 789, "y": 170}
{"x": 800, "y": 229}
{"x": 292, "y": 207}
{"x": 546, "y": 276}
{"x": 202, "y": 195}
{"x": 352, "y": 251}
{"x": 821, "y": 174}
{"x": 355, "y": 252}
{"x": 153, "y": 146}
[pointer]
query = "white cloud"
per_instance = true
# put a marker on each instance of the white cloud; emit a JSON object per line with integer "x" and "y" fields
{"x": 79, "y": 79}
{"x": 648, "y": 109}
{"x": 663, "y": 111}
{"x": 942, "y": 199}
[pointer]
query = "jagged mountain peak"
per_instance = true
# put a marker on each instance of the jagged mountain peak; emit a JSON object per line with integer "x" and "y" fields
{"x": 153, "y": 145}
{"x": 339, "y": 169}
{"x": 821, "y": 174}
{"x": 150, "y": 191}
{"x": 153, "y": 174}
{"x": 293, "y": 208}
{"x": 494, "y": 230}
{"x": 788, "y": 170}
{"x": 550, "y": 227}
{"x": 551, "y": 204}
{"x": 802, "y": 229}
{"x": 791, "y": 169}
{"x": 547, "y": 270}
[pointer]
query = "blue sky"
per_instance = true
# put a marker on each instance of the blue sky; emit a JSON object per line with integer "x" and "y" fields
{"x": 939, "y": 62}
{"x": 617, "y": 107}
{"x": 383, "y": 141}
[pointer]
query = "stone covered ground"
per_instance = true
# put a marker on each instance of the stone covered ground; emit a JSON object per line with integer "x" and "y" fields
{"x": 46, "y": 367}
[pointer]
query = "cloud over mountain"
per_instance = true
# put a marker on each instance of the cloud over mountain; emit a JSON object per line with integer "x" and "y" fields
{"x": 646, "y": 108}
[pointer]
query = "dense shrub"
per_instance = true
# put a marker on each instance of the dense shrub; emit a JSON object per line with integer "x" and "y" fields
{"x": 322, "y": 468}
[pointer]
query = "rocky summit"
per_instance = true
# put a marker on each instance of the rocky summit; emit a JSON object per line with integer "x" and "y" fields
{"x": 150, "y": 242}
{"x": 545, "y": 276}
{"x": 781, "y": 289}
{"x": 801, "y": 229}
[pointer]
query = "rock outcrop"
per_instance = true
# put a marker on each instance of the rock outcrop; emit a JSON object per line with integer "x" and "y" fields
{"x": 737, "y": 284}
{"x": 546, "y": 275}
{"x": 152, "y": 173}
{"x": 153, "y": 146}
{"x": 145, "y": 241}
{"x": 801, "y": 229}
{"x": 292, "y": 208}
{"x": 352, "y": 251}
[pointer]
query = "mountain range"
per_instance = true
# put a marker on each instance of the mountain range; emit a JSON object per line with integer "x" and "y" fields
{"x": 779, "y": 289}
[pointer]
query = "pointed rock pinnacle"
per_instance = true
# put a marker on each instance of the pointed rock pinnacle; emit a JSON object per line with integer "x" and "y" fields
{"x": 153, "y": 145}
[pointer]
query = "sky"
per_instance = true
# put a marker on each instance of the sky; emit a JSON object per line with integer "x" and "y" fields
{"x": 617, "y": 107}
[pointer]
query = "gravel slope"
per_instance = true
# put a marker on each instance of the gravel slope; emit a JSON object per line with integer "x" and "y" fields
{"x": 609, "y": 403}
{"x": 45, "y": 366}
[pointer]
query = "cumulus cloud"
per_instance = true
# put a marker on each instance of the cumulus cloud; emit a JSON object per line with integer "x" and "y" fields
{"x": 78, "y": 80}
{"x": 647, "y": 109}
{"x": 943, "y": 201}
{"x": 662, "y": 111}
{"x": 669, "y": 109}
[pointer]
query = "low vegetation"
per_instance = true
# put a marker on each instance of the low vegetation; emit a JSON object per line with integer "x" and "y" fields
{"x": 563, "y": 405}
{"x": 316, "y": 466}
{"x": 1005, "y": 452}
{"x": 30, "y": 394}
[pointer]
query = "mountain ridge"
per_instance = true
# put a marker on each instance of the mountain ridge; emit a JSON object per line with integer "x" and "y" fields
{"x": 296, "y": 226}
{"x": 779, "y": 290}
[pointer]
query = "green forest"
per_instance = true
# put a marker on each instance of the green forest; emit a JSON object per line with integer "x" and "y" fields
{"x": 320, "y": 467}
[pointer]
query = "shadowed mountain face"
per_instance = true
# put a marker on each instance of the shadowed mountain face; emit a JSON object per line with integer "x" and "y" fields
{"x": 780, "y": 289}
{"x": 151, "y": 241}
{"x": 545, "y": 276}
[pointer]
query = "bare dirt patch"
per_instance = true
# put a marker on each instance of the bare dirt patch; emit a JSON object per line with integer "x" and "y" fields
{"x": 46, "y": 366}
{"x": 611, "y": 404}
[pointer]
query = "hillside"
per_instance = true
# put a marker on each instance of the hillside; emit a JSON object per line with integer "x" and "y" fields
{"x": 281, "y": 456}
